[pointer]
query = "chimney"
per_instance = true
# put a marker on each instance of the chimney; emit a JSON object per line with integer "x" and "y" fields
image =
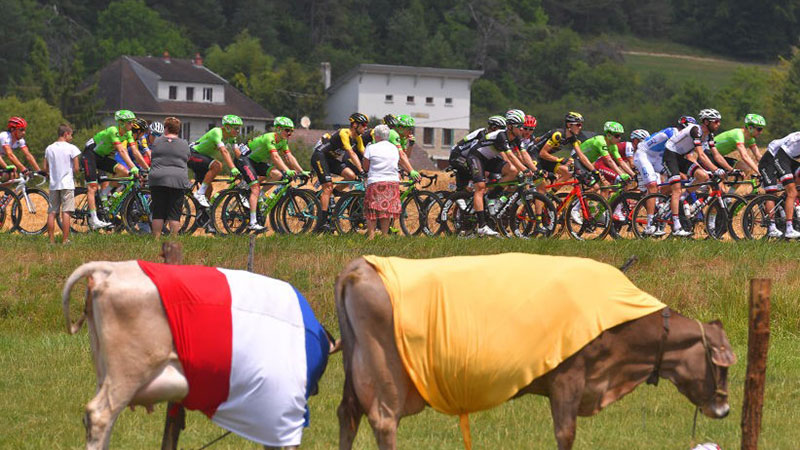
{"x": 165, "y": 57}
{"x": 326, "y": 74}
{"x": 198, "y": 60}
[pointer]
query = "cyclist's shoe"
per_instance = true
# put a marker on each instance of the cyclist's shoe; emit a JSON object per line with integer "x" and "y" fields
{"x": 462, "y": 204}
{"x": 486, "y": 230}
{"x": 791, "y": 233}
{"x": 542, "y": 231}
{"x": 619, "y": 216}
{"x": 323, "y": 229}
{"x": 201, "y": 199}
{"x": 209, "y": 228}
{"x": 577, "y": 217}
{"x": 98, "y": 224}
{"x": 244, "y": 200}
{"x": 520, "y": 234}
{"x": 775, "y": 233}
{"x": 680, "y": 232}
{"x": 256, "y": 227}
{"x": 654, "y": 231}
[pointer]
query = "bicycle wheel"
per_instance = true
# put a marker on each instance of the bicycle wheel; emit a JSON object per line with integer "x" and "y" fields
{"x": 735, "y": 204}
{"x": 298, "y": 211}
{"x": 190, "y": 210}
{"x": 9, "y": 210}
{"x": 524, "y": 222}
{"x": 758, "y": 216}
{"x": 461, "y": 218}
{"x": 420, "y": 214}
{"x": 660, "y": 221}
{"x": 33, "y": 216}
{"x": 716, "y": 220}
{"x": 622, "y": 207}
{"x": 558, "y": 201}
{"x": 80, "y": 217}
{"x": 349, "y": 215}
{"x": 136, "y": 215}
{"x": 591, "y": 223}
{"x": 230, "y": 213}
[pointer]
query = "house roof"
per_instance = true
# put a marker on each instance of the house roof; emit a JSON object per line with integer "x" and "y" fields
{"x": 405, "y": 70}
{"x": 131, "y": 82}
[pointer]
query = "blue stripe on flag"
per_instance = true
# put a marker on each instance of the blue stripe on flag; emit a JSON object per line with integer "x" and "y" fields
{"x": 317, "y": 348}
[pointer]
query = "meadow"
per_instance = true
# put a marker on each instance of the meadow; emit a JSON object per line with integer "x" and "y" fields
{"x": 48, "y": 376}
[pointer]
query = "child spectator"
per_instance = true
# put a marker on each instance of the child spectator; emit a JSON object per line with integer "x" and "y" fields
{"x": 60, "y": 161}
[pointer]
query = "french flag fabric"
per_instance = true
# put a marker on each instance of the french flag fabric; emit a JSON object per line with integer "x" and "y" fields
{"x": 251, "y": 348}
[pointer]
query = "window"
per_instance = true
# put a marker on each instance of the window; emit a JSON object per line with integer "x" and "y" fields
{"x": 211, "y": 125}
{"x": 248, "y": 130}
{"x": 208, "y": 94}
{"x": 448, "y": 101}
{"x": 427, "y": 136}
{"x": 389, "y": 98}
{"x": 186, "y": 130}
{"x": 173, "y": 92}
{"x": 447, "y": 137}
{"x": 429, "y": 100}
{"x": 409, "y": 99}
{"x": 189, "y": 94}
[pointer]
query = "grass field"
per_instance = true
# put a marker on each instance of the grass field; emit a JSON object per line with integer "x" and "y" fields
{"x": 48, "y": 376}
{"x": 711, "y": 72}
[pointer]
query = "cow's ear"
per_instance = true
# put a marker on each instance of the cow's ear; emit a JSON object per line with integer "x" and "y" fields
{"x": 722, "y": 356}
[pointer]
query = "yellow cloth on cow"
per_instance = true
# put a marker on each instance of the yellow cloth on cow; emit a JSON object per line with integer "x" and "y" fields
{"x": 474, "y": 330}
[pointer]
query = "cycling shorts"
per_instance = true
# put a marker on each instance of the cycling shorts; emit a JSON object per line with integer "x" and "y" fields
{"x": 459, "y": 163}
{"x": 324, "y": 165}
{"x": 605, "y": 170}
{"x": 199, "y": 163}
{"x": 731, "y": 161}
{"x": 550, "y": 166}
{"x": 649, "y": 166}
{"x": 675, "y": 165}
{"x": 250, "y": 169}
{"x": 779, "y": 168}
{"x": 121, "y": 162}
{"x": 478, "y": 165}
{"x": 91, "y": 162}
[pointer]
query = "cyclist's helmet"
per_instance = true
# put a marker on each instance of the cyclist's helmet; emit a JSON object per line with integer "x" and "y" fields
{"x": 390, "y": 120}
{"x": 139, "y": 126}
{"x": 283, "y": 122}
{"x": 156, "y": 128}
{"x": 515, "y": 118}
{"x": 613, "y": 127}
{"x": 530, "y": 122}
{"x": 358, "y": 118}
{"x": 406, "y": 121}
{"x": 710, "y": 114}
{"x": 497, "y": 122}
{"x": 232, "y": 120}
{"x": 754, "y": 120}
{"x": 123, "y": 115}
{"x": 684, "y": 121}
{"x": 17, "y": 122}
{"x": 640, "y": 134}
{"x": 573, "y": 117}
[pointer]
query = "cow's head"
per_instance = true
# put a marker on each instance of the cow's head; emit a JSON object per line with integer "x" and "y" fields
{"x": 701, "y": 370}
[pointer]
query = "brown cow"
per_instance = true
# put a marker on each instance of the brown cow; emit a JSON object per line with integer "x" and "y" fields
{"x": 693, "y": 356}
{"x": 134, "y": 354}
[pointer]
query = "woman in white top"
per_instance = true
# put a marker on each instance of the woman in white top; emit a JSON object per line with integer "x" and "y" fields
{"x": 382, "y": 199}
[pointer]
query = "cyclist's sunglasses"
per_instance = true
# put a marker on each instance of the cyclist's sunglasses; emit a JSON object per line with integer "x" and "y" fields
{"x": 529, "y": 128}
{"x": 578, "y": 124}
{"x": 759, "y": 128}
{"x": 154, "y": 134}
{"x": 288, "y": 131}
{"x": 617, "y": 135}
{"x": 714, "y": 121}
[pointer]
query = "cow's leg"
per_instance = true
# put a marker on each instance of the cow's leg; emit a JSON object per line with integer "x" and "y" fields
{"x": 103, "y": 410}
{"x": 565, "y": 395}
{"x": 349, "y": 413}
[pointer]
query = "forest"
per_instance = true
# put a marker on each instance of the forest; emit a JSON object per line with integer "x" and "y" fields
{"x": 543, "y": 56}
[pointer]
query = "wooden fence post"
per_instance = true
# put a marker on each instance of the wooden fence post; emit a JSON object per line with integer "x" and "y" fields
{"x": 176, "y": 415}
{"x": 757, "y": 347}
{"x": 251, "y": 251}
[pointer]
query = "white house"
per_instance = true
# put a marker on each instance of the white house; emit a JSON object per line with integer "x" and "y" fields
{"x": 438, "y": 99}
{"x": 158, "y": 87}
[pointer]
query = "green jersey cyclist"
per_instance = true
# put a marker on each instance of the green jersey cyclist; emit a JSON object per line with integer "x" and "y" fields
{"x": 203, "y": 153}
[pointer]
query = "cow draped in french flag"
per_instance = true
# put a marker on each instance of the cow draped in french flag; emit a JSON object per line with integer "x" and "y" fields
{"x": 244, "y": 349}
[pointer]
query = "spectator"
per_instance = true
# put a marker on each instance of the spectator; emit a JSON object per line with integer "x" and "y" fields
{"x": 382, "y": 199}
{"x": 169, "y": 177}
{"x": 60, "y": 161}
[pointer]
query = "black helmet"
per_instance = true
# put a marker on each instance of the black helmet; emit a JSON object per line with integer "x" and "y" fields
{"x": 358, "y": 118}
{"x": 390, "y": 120}
{"x": 573, "y": 117}
{"x": 139, "y": 125}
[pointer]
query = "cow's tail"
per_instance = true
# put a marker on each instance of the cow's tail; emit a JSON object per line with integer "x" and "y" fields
{"x": 346, "y": 333}
{"x": 96, "y": 271}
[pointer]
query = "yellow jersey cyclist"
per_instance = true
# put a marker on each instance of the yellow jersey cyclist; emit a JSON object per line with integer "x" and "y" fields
{"x": 262, "y": 158}
{"x": 329, "y": 158}
{"x": 203, "y": 154}
{"x": 493, "y": 154}
{"x": 97, "y": 154}
{"x": 555, "y": 140}
{"x": 14, "y": 138}
{"x": 742, "y": 140}
{"x": 394, "y": 137}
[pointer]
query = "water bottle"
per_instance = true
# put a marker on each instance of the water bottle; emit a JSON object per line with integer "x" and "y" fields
{"x": 687, "y": 209}
{"x": 492, "y": 206}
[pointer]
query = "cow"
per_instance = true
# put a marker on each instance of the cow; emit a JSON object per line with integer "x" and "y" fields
{"x": 694, "y": 356}
{"x": 132, "y": 345}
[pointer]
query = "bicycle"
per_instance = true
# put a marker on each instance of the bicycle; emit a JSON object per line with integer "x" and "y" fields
{"x": 127, "y": 209}
{"x": 622, "y": 202}
{"x": 32, "y": 203}
{"x": 9, "y": 210}
{"x": 586, "y": 215}
{"x": 420, "y": 208}
{"x": 758, "y": 216}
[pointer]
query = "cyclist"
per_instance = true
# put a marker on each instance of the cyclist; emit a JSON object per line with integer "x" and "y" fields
{"x": 261, "y": 158}
{"x": 554, "y": 140}
{"x": 140, "y": 146}
{"x": 493, "y": 154}
{"x": 525, "y": 142}
{"x": 628, "y": 148}
{"x": 155, "y": 130}
{"x": 328, "y": 158}
{"x": 602, "y": 151}
{"x": 742, "y": 140}
{"x": 780, "y": 163}
{"x": 97, "y": 155}
{"x": 13, "y": 138}
{"x": 392, "y": 122}
{"x": 459, "y": 152}
{"x": 405, "y": 129}
{"x": 203, "y": 153}
{"x": 648, "y": 160}
{"x": 684, "y": 155}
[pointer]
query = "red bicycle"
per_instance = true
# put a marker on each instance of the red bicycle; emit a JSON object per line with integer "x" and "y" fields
{"x": 586, "y": 215}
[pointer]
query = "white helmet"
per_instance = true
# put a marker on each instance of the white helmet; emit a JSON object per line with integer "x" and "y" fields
{"x": 515, "y": 117}
{"x": 640, "y": 134}
{"x": 710, "y": 114}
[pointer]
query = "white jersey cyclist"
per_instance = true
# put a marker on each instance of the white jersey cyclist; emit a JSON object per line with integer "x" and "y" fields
{"x": 789, "y": 144}
{"x": 7, "y": 139}
{"x": 648, "y": 158}
{"x": 688, "y": 138}
{"x": 492, "y": 145}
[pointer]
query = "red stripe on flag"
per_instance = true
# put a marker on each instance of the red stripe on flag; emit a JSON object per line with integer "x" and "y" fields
{"x": 197, "y": 301}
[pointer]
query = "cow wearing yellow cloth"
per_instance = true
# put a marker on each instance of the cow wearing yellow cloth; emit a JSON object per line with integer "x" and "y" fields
{"x": 464, "y": 334}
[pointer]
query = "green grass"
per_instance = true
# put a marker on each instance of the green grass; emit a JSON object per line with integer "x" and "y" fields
{"x": 49, "y": 376}
{"x": 713, "y": 73}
